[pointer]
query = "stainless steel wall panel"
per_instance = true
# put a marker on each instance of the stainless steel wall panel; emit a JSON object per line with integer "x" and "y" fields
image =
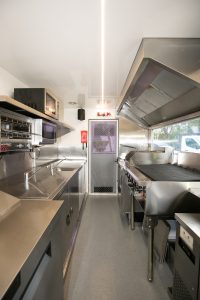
{"x": 48, "y": 152}
{"x": 189, "y": 160}
{"x": 71, "y": 152}
{"x": 131, "y": 136}
{"x": 15, "y": 163}
{"x": 152, "y": 157}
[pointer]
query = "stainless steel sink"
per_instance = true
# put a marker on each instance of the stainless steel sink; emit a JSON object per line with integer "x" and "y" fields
{"x": 65, "y": 169}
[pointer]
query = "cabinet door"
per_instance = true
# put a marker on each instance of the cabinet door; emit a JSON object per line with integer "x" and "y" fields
{"x": 70, "y": 195}
{"x": 47, "y": 279}
{"x": 74, "y": 199}
{"x": 67, "y": 224}
{"x": 82, "y": 186}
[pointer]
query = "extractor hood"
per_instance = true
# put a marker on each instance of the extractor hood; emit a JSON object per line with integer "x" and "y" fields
{"x": 163, "y": 83}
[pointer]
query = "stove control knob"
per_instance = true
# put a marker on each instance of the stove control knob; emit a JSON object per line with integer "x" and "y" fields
{"x": 139, "y": 188}
{"x": 19, "y": 146}
{"x": 131, "y": 185}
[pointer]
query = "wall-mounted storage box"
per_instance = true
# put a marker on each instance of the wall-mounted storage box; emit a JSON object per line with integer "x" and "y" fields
{"x": 40, "y": 99}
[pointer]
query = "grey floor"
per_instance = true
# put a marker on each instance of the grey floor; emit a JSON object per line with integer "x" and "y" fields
{"x": 109, "y": 260}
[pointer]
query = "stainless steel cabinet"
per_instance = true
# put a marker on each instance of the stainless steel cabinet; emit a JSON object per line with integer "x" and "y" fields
{"x": 47, "y": 281}
{"x": 186, "y": 264}
{"x": 126, "y": 198}
{"x": 66, "y": 231}
{"x": 70, "y": 195}
{"x": 82, "y": 185}
{"x": 74, "y": 200}
{"x": 41, "y": 277}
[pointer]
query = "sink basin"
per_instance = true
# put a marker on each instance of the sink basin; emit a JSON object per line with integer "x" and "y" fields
{"x": 66, "y": 169}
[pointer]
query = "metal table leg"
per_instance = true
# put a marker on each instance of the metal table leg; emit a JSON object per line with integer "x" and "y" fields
{"x": 150, "y": 254}
{"x": 132, "y": 213}
{"x": 129, "y": 219}
{"x": 151, "y": 223}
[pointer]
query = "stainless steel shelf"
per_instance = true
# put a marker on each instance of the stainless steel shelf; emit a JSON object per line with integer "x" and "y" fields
{"x": 14, "y": 105}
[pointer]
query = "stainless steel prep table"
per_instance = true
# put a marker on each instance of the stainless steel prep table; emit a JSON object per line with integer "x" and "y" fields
{"x": 186, "y": 281}
{"x": 57, "y": 180}
{"x": 20, "y": 234}
{"x": 191, "y": 222}
{"x": 161, "y": 198}
{"x": 43, "y": 184}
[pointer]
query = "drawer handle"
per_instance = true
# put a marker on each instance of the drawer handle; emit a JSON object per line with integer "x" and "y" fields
{"x": 68, "y": 219}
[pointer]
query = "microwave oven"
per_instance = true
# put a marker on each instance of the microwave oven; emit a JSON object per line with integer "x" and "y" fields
{"x": 44, "y": 133}
{"x": 40, "y": 99}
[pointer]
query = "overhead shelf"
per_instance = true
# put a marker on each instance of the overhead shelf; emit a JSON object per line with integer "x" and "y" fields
{"x": 14, "y": 105}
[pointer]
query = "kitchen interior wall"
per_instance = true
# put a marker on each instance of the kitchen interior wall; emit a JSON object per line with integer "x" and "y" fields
{"x": 8, "y": 82}
{"x": 72, "y": 140}
{"x": 69, "y": 145}
{"x": 18, "y": 163}
{"x": 11, "y": 164}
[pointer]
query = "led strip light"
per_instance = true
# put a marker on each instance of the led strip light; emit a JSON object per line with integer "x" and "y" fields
{"x": 102, "y": 50}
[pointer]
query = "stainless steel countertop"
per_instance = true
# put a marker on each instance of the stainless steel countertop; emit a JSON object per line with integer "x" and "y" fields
{"x": 41, "y": 186}
{"x": 19, "y": 234}
{"x": 191, "y": 223}
{"x": 44, "y": 184}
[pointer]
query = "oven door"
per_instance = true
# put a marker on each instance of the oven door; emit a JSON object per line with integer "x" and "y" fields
{"x": 51, "y": 106}
{"x": 48, "y": 133}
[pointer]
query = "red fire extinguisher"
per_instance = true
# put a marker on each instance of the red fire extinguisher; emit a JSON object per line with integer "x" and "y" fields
{"x": 84, "y": 135}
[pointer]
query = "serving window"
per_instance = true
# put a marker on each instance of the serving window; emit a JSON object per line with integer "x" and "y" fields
{"x": 183, "y": 136}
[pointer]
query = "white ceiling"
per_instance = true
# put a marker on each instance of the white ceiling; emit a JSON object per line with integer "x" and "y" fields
{"x": 56, "y": 43}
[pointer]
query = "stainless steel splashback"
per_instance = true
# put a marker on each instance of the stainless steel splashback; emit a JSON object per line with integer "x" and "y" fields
{"x": 152, "y": 157}
{"x": 164, "y": 81}
{"x": 189, "y": 160}
{"x": 71, "y": 152}
{"x": 15, "y": 163}
{"x": 48, "y": 152}
{"x": 131, "y": 137}
{"x": 18, "y": 163}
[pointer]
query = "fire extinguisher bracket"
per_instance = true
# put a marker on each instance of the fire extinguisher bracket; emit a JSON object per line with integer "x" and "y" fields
{"x": 84, "y": 138}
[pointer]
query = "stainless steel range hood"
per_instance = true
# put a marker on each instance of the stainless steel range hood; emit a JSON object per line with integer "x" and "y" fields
{"x": 163, "y": 83}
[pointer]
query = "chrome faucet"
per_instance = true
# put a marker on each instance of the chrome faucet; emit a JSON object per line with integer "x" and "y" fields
{"x": 51, "y": 168}
{"x": 27, "y": 177}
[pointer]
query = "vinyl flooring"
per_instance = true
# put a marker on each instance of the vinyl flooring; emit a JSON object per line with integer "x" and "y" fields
{"x": 109, "y": 261}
